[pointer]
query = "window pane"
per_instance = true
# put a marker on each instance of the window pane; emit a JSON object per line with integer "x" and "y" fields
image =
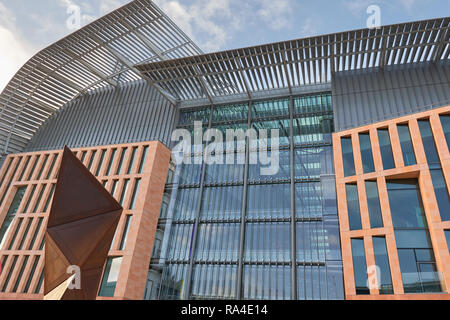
{"x": 133, "y": 156}
{"x": 143, "y": 159}
{"x": 412, "y": 239}
{"x": 409, "y": 158}
{"x": 441, "y": 192}
{"x": 382, "y": 261}
{"x": 110, "y": 277}
{"x": 406, "y": 204}
{"x": 445, "y": 121}
{"x": 366, "y": 152}
{"x": 373, "y": 202}
{"x": 360, "y": 266}
{"x": 269, "y": 201}
{"x": 267, "y": 242}
{"x": 447, "y": 236}
{"x": 386, "y": 149}
{"x": 354, "y": 215}
{"x": 126, "y": 230}
{"x": 219, "y": 203}
{"x": 11, "y": 214}
{"x": 122, "y": 160}
{"x": 428, "y": 141}
{"x": 100, "y": 164}
{"x": 111, "y": 161}
{"x": 270, "y": 108}
{"x": 230, "y": 113}
{"x": 410, "y": 274}
{"x": 347, "y": 157}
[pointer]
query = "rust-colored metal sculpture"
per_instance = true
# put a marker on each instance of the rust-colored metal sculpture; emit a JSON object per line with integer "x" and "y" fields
{"x": 81, "y": 226}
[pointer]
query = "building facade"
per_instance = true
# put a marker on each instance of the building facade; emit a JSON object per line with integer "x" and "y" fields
{"x": 359, "y": 206}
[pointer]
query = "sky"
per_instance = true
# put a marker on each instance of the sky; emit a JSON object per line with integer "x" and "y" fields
{"x": 28, "y": 26}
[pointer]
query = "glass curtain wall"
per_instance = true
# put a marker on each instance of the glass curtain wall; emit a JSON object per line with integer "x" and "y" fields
{"x": 226, "y": 231}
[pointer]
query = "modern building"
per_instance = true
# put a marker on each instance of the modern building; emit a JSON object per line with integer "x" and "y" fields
{"x": 359, "y": 208}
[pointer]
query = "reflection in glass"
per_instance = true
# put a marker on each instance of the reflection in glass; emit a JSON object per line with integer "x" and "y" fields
{"x": 428, "y": 141}
{"x": 441, "y": 192}
{"x": 382, "y": 262}
{"x": 445, "y": 121}
{"x": 386, "y": 149}
{"x": 373, "y": 202}
{"x": 354, "y": 214}
{"x": 366, "y": 152}
{"x": 110, "y": 277}
{"x": 267, "y": 242}
{"x": 409, "y": 157}
{"x": 269, "y": 201}
{"x": 347, "y": 156}
{"x": 360, "y": 266}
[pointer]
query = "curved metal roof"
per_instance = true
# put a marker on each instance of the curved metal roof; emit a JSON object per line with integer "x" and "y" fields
{"x": 291, "y": 64}
{"x": 99, "y": 55}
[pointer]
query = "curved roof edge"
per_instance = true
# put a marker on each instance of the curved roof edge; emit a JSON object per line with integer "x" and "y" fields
{"x": 101, "y": 54}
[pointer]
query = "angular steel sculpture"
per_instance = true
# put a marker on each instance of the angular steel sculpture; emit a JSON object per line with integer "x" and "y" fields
{"x": 81, "y": 226}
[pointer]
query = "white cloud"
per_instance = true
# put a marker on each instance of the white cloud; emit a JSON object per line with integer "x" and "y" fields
{"x": 202, "y": 17}
{"x": 357, "y": 7}
{"x": 13, "y": 51}
{"x": 276, "y": 13}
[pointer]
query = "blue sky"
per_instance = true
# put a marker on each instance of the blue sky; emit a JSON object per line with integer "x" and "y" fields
{"x": 27, "y": 26}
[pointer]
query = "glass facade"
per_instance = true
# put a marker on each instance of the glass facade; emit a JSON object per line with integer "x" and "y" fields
{"x": 409, "y": 158}
{"x": 227, "y": 231}
{"x": 386, "y": 149}
{"x": 366, "y": 152}
{"x": 360, "y": 266}
{"x": 354, "y": 214}
{"x": 373, "y": 203}
{"x": 445, "y": 122}
{"x": 382, "y": 262}
{"x": 415, "y": 251}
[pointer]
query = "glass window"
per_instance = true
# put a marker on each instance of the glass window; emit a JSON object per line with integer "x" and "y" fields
{"x": 122, "y": 160}
{"x": 447, "y": 236}
{"x": 126, "y": 230}
{"x": 174, "y": 277}
{"x": 25, "y": 234}
{"x": 428, "y": 141}
{"x": 4, "y": 230}
{"x": 313, "y": 129}
{"x": 308, "y": 200}
{"x": 386, "y": 149}
{"x": 366, "y": 152}
{"x": 283, "y": 132}
{"x": 269, "y": 201}
{"x": 135, "y": 193}
{"x": 406, "y": 204}
{"x": 360, "y": 266}
{"x": 124, "y": 191}
{"x": 270, "y": 108}
{"x": 30, "y": 175}
{"x": 309, "y": 163}
{"x": 36, "y": 232}
{"x": 234, "y": 112}
{"x": 267, "y": 242}
{"x": 218, "y": 242}
{"x": 409, "y": 158}
{"x": 312, "y": 244}
{"x": 133, "y": 157}
{"x": 445, "y": 121}
{"x": 143, "y": 159}
{"x": 347, "y": 155}
{"x": 24, "y": 168}
{"x": 441, "y": 192}
{"x": 270, "y": 282}
{"x": 188, "y": 117}
{"x": 213, "y": 282}
{"x": 315, "y": 103}
{"x": 218, "y": 203}
{"x": 30, "y": 197}
{"x": 373, "y": 202}
{"x": 111, "y": 161}
{"x": 354, "y": 214}
{"x": 281, "y": 172}
{"x": 382, "y": 262}
{"x": 110, "y": 277}
{"x": 412, "y": 239}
